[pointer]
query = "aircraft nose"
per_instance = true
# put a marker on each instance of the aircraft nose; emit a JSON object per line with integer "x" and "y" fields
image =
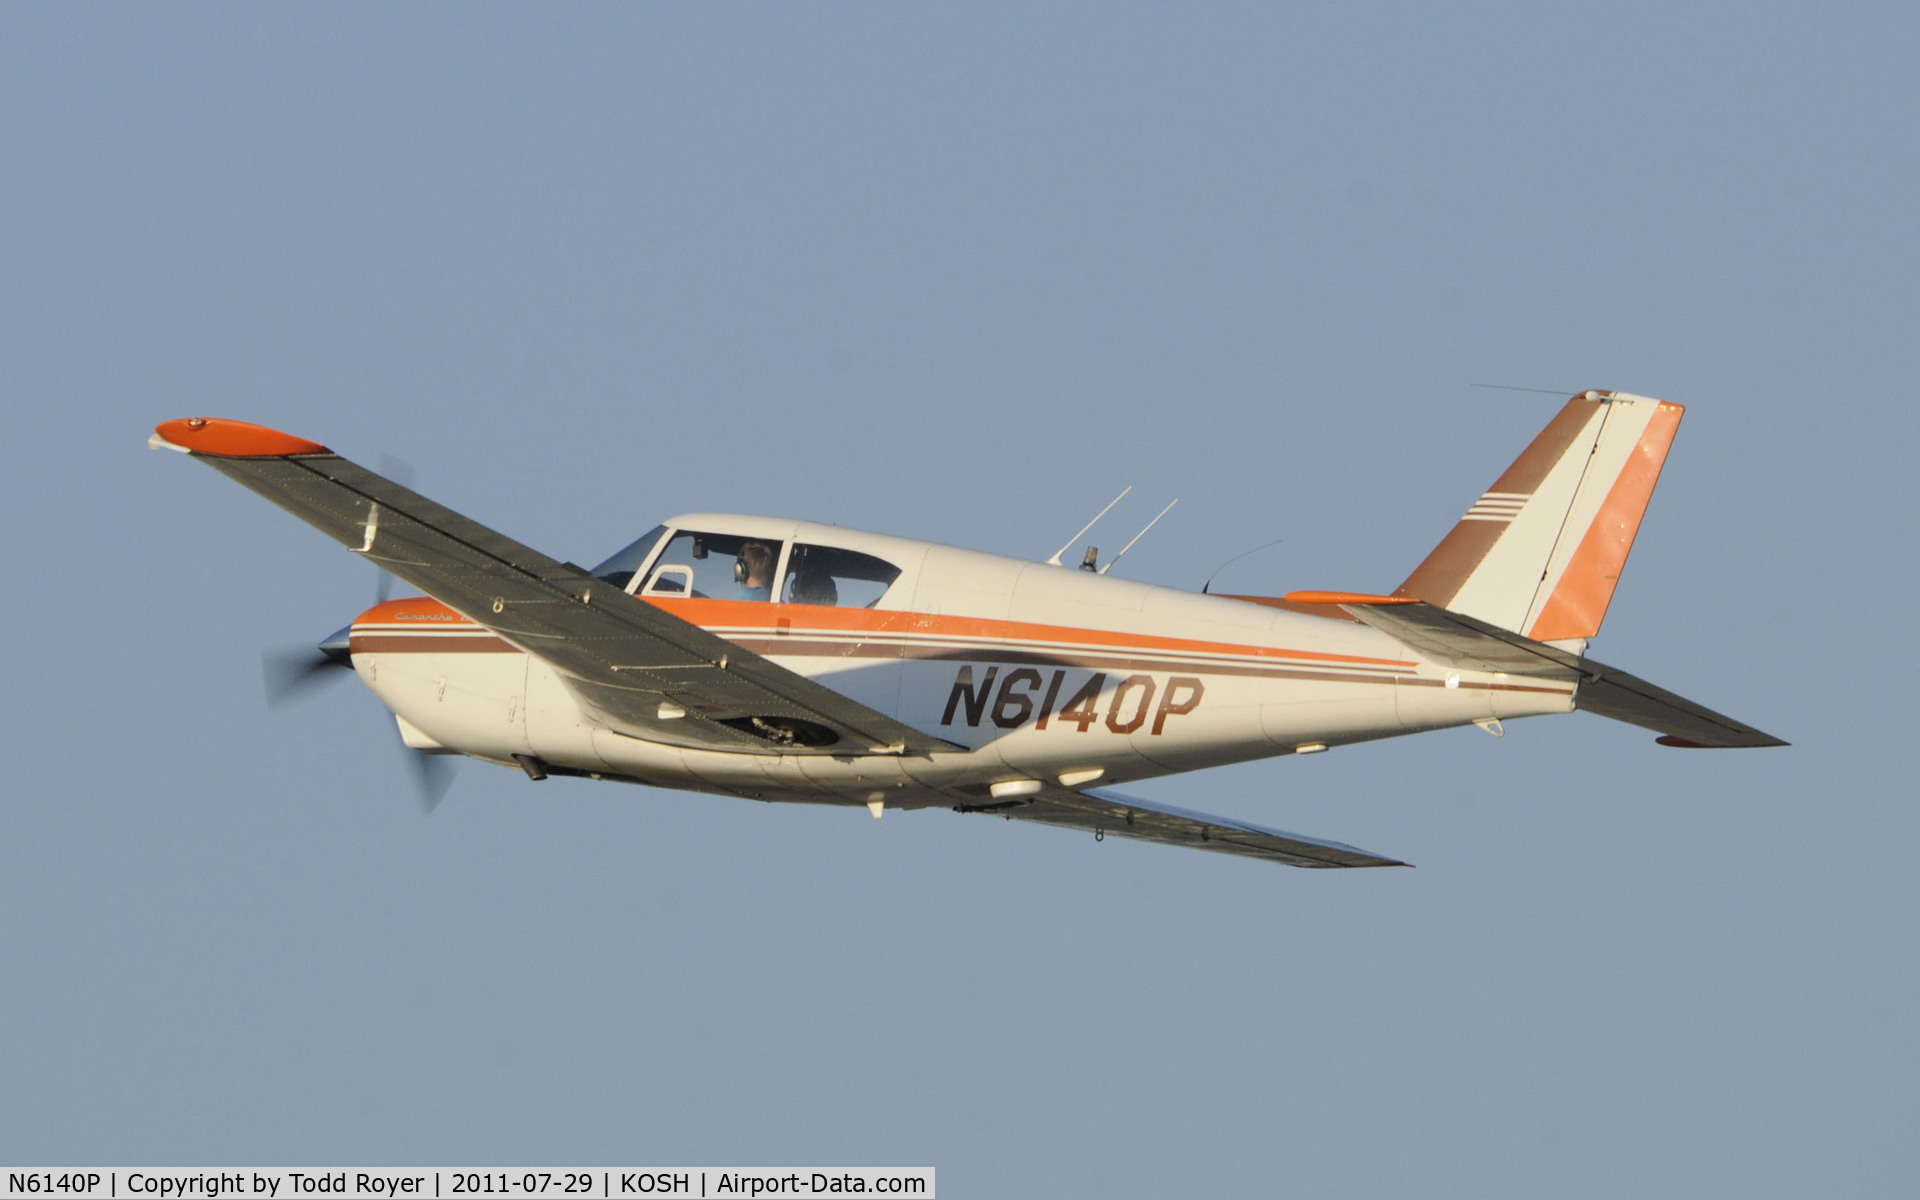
{"x": 337, "y": 645}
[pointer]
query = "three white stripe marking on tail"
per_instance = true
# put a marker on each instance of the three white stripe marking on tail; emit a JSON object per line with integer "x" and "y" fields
{"x": 1497, "y": 506}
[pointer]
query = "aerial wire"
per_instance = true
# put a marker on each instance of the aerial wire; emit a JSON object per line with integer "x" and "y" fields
{"x": 1507, "y": 387}
{"x": 1236, "y": 558}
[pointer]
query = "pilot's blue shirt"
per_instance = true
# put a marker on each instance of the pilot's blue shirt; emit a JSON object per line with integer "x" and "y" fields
{"x": 763, "y": 592}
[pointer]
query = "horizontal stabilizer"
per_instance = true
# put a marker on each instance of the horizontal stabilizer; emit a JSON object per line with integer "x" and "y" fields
{"x": 1108, "y": 813}
{"x": 1612, "y": 692}
{"x": 1457, "y": 640}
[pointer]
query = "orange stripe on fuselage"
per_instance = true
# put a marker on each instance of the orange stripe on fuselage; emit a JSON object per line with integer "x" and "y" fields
{"x": 758, "y": 617}
{"x": 755, "y": 615}
{"x": 422, "y": 609}
{"x": 428, "y": 624}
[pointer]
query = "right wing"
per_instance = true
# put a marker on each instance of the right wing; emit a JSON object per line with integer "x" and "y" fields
{"x": 624, "y": 658}
{"x": 1106, "y": 813}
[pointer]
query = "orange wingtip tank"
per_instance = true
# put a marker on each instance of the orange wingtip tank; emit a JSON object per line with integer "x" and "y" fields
{"x": 1346, "y": 598}
{"x": 232, "y": 439}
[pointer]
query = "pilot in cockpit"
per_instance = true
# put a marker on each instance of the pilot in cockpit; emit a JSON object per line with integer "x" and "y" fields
{"x": 753, "y": 572}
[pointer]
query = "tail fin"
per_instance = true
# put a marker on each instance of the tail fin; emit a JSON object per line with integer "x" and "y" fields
{"x": 1540, "y": 553}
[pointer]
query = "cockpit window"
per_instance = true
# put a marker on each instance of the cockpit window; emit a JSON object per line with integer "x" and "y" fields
{"x": 828, "y": 575}
{"x": 619, "y": 569}
{"x": 717, "y": 566}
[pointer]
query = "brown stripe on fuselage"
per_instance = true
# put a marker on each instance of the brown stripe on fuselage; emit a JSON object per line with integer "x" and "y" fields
{"x": 802, "y": 648}
{"x": 1440, "y": 577}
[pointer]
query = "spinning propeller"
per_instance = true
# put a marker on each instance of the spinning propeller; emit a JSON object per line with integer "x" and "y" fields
{"x": 292, "y": 673}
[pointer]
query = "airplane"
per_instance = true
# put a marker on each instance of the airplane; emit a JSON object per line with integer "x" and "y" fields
{"x": 784, "y": 660}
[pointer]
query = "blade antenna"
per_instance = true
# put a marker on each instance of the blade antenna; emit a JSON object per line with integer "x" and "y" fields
{"x": 1136, "y": 537}
{"x": 1055, "y": 560}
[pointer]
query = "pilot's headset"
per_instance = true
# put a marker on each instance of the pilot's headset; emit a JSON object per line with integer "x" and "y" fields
{"x": 740, "y": 561}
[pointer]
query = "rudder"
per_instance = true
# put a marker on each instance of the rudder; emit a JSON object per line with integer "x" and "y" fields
{"x": 1541, "y": 551}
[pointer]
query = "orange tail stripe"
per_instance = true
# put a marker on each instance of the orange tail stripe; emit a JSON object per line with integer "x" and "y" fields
{"x": 1579, "y": 601}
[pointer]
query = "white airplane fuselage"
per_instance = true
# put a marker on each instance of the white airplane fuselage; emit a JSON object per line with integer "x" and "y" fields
{"x": 1039, "y": 672}
{"x": 781, "y": 660}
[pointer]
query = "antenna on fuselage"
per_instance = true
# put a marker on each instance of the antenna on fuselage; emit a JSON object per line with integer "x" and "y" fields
{"x": 1236, "y": 558}
{"x": 1136, "y": 537}
{"x": 1507, "y": 387}
{"x": 1055, "y": 560}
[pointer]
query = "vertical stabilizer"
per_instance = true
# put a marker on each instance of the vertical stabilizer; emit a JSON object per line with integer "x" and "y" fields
{"x": 1541, "y": 551}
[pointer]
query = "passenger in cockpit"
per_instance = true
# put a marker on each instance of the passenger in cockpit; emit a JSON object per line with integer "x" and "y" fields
{"x": 813, "y": 587}
{"x": 753, "y": 571}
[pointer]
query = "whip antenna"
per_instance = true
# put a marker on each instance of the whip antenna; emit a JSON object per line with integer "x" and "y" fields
{"x": 1236, "y": 558}
{"x": 1137, "y": 537}
{"x": 1055, "y": 560}
{"x": 1507, "y": 387}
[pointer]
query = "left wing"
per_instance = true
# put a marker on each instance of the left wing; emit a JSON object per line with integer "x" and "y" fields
{"x": 644, "y": 671}
{"x": 1105, "y": 813}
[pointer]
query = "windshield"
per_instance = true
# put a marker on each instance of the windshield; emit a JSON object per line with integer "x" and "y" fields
{"x": 619, "y": 569}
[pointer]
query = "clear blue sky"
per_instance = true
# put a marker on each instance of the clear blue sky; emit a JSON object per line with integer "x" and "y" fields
{"x": 962, "y": 273}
